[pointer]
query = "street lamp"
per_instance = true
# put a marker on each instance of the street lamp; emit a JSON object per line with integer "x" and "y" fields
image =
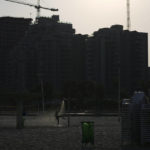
{"x": 42, "y": 91}
{"x": 119, "y": 92}
{"x": 43, "y": 99}
{"x": 119, "y": 87}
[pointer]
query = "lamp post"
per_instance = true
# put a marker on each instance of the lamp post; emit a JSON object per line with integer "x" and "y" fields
{"x": 119, "y": 93}
{"x": 43, "y": 99}
{"x": 119, "y": 86}
{"x": 42, "y": 91}
{"x": 68, "y": 109}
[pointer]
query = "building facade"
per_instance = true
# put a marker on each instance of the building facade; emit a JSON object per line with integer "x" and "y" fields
{"x": 12, "y": 30}
{"x": 50, "y": 53}
{"x": 44, "y": 55}
{"x": 117, "y": 59}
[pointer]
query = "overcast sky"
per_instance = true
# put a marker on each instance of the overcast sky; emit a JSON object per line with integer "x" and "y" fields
{"x": 87, "y": 16}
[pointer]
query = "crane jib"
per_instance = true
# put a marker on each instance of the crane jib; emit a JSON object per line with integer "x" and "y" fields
{"x": 38, "y": 7}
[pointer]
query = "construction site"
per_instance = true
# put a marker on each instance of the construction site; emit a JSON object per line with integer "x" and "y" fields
{"x": 54, "y": 81}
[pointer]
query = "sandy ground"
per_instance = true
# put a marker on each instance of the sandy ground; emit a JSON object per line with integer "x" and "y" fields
{"x": 41, "y": 132}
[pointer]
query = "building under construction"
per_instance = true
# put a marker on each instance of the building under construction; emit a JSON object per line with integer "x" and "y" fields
{"x": 12, "y": 31}
{"x": 43, "y": 55}
{"x": 50, "y": 53}
{"x": 117, "y": 59}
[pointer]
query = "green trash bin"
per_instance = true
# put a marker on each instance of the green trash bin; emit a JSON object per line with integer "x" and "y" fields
{"x": 87, "y": 132}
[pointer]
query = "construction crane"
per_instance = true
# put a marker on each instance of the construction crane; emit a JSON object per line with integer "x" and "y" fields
{"x": 37, "y": 7}
{"x": 128, "y": 15}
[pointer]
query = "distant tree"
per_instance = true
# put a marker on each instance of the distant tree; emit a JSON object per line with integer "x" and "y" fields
{"x": 47, "y": 90}
{"x": 100, "y": 93}
{"x": 85, "y": 93}
{"x": 144, "y": 86}
{"x": 124, "y": 93}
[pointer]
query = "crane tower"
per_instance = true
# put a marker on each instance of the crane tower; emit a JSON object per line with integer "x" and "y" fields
{"x": 37, "y": 7}
{"x": 128, "y": 15}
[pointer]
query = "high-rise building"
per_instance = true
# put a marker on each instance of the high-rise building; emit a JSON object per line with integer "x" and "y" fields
{"x": 79, "y": 57}
{"x": 44, "y": 55}
{"x": 50, "y": 53}
{"x": 117, "y": 59}
{"x": 134, "y": 59}
{"x": 12, "y": 30}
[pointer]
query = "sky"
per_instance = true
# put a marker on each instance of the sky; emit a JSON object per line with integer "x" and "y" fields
{"x": 87, "y": 16}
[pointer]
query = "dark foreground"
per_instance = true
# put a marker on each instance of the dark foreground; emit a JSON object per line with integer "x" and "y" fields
{"x": 49, "y": 136}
